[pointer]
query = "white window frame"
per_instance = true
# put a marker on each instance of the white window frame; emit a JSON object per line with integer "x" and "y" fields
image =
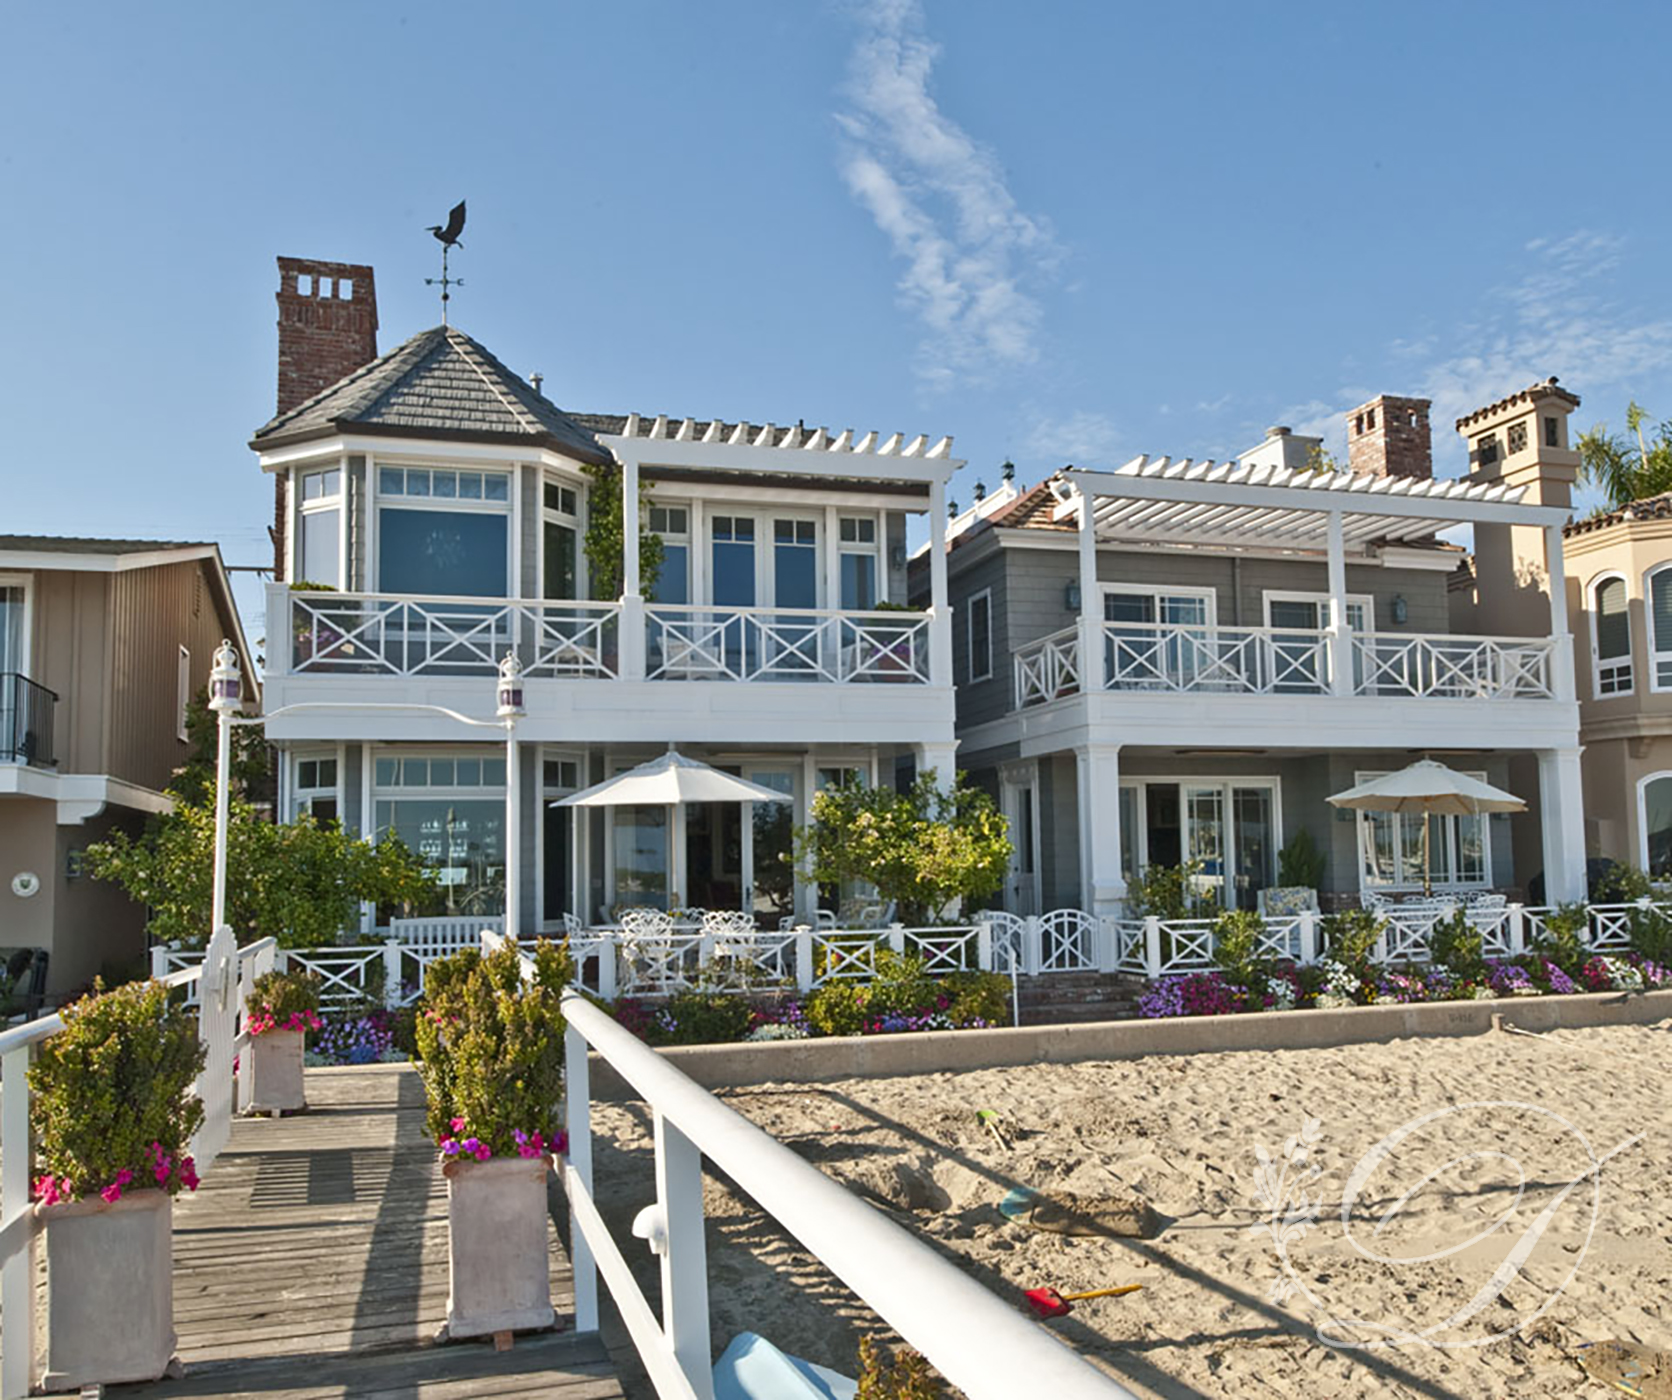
{"x": 872, "y": 549}
{"x": 576, "y": 522}
{"x": 337, "y": 501}
{"x": 1366, "y": 601}
{"x": 25, "y": 582}
{"x": 1140, "y": 820}
{"x": 1448, "y": 832}
{"x": 579, "y": 831}
{"x": 183, "y": 691}
{"x": 1657, "y": 656}
{"x": 1158, "y": 592}
{"x": 1629, "y": 661}
{"x": 510, "y": 508}
{"x": 297, "y": 796}
{"x": 686, "y": 537}
{"x": 985, "y": 673}
{"x": 1643, "y": 815}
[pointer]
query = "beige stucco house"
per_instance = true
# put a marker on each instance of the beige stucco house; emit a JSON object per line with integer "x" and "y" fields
{"x": 102, "y": 644}
{"x": 1620, "y": 593}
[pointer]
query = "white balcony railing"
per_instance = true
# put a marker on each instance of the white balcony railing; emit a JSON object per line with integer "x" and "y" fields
{"x": 371, "y": 634}
{"x": 700, "y": 642}
{"x": 1203, "y": 659}
{"x": 1468, "y": 668}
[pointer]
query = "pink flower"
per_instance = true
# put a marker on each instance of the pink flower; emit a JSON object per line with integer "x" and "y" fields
{"x": 112, "y": 1193}
{"x": 457, "y": 1125}
{"x": 188, "y": 1174}
{"x": 483, "y": 1152}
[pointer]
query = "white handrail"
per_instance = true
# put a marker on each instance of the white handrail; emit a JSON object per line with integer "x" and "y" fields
{"x": 981, "y": 1344}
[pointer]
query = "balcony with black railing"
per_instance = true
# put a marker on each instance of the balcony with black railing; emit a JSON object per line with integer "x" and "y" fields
{"x": 26, "y": 715}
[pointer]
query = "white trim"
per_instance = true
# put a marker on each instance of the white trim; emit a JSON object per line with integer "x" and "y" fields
{"x": 1594, "y": 612}
{"x": 1140, "y": 814}
{"x": 80, "y": 795}
{"x": 1268, "y": 596}
{"x": 26, "y": 582}
{"x": 294, "y": 793}
{"x": 509, "y": 509}
{"x": 1014, "y": 779}
{"x": 338, "y": 501}
{"x": 1643, "y": 815}
{"x": 1157, "y": 591}
{"x": 1655, "y": 653}
{"x": 985, "y": 594}
{"x": 182, "y": 691}
{"x": 74, "y": 562}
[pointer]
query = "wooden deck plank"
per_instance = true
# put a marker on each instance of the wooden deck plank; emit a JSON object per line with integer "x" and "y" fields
{"x": 312, "y": 1264}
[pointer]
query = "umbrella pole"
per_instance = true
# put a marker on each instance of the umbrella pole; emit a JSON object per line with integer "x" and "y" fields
{"x": 1427, "y": 879}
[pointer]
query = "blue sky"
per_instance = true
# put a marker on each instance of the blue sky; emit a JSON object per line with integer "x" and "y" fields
{"x": 1057, "y": 232}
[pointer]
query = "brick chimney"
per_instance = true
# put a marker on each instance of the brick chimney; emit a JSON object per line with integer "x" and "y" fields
{"x": 327, "y": 330}
{"x": 1389, "y": 436}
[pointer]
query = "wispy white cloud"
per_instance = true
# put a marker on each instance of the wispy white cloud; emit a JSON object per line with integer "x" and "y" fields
{"x": 1563, "y": 315}
{"x": 1083, "y": 438}
{"x": 971, "y": 254}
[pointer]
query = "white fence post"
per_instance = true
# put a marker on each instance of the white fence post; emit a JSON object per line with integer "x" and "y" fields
{"x": 1033, "y": 945}
{"x": 217, "y": 1016}
{"x": 1108, "y": 944}
{"x": 17, "y": 1274}
{"x": 159, "y": 960}
{"x": 577, "y": 1088}
{"x": 606, "y": 968}
{"x": 803, "y": 958}
{"x": 1152, "y": 945}
{"x": 392, "y": 968}
{"x": 684, "y": 1256}
{"x": 897, "y": 938}
{"x": 1517, "y": 932}
{"x": 1308, "y": 937}
{"x": 984, "y": 946}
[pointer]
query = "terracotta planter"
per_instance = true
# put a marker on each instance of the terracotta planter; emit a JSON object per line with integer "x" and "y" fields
{"x": 270, "y": 1073}
{"x": 498, "y": 1260}
{"x": 109, "y": 1290}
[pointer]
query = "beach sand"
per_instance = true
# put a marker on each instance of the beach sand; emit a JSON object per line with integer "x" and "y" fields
{"x": 1184, "y": 1133}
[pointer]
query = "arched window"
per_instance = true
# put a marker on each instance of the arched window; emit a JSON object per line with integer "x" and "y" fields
{"x": 1658, "y": 594}
{"x": 1654, "y": 816}
{"x": 1610, "y": 637}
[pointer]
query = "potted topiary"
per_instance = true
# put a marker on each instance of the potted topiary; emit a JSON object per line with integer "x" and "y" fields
{"x": 490, "y": 1051}
{"x": 113, "y": 1117}
{"x": 279, "y": 1012}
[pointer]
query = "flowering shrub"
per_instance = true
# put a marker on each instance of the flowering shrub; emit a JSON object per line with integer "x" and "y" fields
{"x": 490, "y": 1048}
{"x": 1509, "y": 979}
{"x": 111, "y": 1103}
{"x": 355, "y": 1040}
{"x": 283, "y": 1001}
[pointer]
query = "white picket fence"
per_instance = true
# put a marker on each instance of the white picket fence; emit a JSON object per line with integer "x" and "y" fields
{"x": 218, "y": 979}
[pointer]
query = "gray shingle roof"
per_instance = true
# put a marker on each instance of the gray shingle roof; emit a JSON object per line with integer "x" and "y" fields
{"x": 441, "y": 383}
{"x": 83, "y": 544}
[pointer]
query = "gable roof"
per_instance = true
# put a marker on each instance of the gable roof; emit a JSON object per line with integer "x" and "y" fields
{"x": 1649, "y": 508}
{"x": 439, "y": 384}
{"x": 86, "y": 544}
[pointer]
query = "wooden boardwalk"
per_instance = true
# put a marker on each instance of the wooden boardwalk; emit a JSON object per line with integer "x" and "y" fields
{"x": 313, "y": 1263}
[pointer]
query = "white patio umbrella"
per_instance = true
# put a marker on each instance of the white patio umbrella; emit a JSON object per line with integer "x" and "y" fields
{"x": 671, "y": 780}
{"x": 1432, "y": 789}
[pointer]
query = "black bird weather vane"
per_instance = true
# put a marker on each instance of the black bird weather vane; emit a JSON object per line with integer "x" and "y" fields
{"x": 448, "y": 237}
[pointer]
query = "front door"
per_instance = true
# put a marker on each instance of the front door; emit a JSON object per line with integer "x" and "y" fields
{"x": 1021, "y": 810}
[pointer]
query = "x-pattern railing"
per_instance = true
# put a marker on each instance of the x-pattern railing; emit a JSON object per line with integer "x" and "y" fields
{"x": 345, "y": 974}
{"x": 1048, "y": 669}
{"x": 694, "y": 642}
{"x": 1203, "y": 657}
{"x": 1186, "y": 944}
{"x": 1068, "y": 941}
{"x": 1454, "y": 667}
{"x": 944, "y": 951}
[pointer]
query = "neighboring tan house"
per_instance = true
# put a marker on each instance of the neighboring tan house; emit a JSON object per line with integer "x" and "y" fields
{"x": 1260, "y": 635}
{"x": 102, "y": 645}
{"x": 1620, "y": 594}
{"x": 438, "y": 505}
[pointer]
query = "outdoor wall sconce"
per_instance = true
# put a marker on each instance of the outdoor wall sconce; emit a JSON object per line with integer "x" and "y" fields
{"x": 897, "y": 557}
{"x": 1071, "y": 596}
{"x": 1401, "y": 609}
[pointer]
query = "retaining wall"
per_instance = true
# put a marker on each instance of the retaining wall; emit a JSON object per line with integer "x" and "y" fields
{"x": 936, "y": 1052}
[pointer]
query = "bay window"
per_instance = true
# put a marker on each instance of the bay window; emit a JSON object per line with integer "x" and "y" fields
{"x": 444, "y": 532}
{"x": 319, "y": 527}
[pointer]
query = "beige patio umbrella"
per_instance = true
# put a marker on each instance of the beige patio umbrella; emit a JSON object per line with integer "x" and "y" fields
{"x": 671, "y": 780}
{"x": 1432, "y": 789}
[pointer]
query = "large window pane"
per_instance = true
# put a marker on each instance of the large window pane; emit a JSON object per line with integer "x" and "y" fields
{"x": 673, "y": 579}
{"x": 1251, "y": 808}
{"x": 11, "y": 629}
{"x": 457, "y": 553}
{"x": 859, "y": 582}
{"x": 318, "y": 563}
{"x": 1657, "y": 826}
{"x": 641, "y": 856}
{"x": 560, "y": 560}
{"x": 461, "y": 841}
{"x": 1613, "y": 627}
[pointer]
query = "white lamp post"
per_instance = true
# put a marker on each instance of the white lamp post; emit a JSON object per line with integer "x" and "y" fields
{"x": 225, "y": 696}
{"x": 510, "y": 711}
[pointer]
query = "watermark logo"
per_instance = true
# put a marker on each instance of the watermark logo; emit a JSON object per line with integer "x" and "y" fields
{"x": 1415, "y": 1199}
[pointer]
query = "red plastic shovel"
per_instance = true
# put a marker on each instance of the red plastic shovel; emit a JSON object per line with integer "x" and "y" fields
{"x": 1047, "y": 1302}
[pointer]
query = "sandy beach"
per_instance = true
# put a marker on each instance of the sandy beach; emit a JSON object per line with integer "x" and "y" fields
{"x": 1458, "y": 1188}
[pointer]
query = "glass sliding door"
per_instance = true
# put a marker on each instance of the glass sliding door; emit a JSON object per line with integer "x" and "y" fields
{"x": 1254, "y": 826}
{"x": 769, "y": 862}
{"x": 794, "y": 645}
{"x": 1205, "y": 839}
{"x": 732, "y": 584}
{"x": 1228, "y": 827}
{"x": 714, "y": 854}
{"x": 640, "y": 839}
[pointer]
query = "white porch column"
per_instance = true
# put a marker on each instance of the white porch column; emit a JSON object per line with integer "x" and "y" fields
{"x": 1092, "y": 675}
{"x": 1561, "y": 809}
{"x": 940, "y": 612}
{"x": 1340, "y": 634}
{"x": 1561, "y": 663}
{"x": 1102, "y": 886}
{"x": 632, "y": 599}
{"x": 943, "y": 759}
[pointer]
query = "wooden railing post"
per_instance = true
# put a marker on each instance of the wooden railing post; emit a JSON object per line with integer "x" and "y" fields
{"x": 1152, "y": 945}
{"x": 17, "y": 1274}
{"x": 1308, "y": 937}
{"x": 577, "y": 1088}
{"x": 803, "y": 958}
{"x": 684, "y": 1255}
{"x": 392, "y": 970}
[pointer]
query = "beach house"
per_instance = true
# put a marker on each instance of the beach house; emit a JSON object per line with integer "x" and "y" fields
{"x": 435, "y": 511}
{"x": 1179, "y": 660}
{"x": 103, "y": 645}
